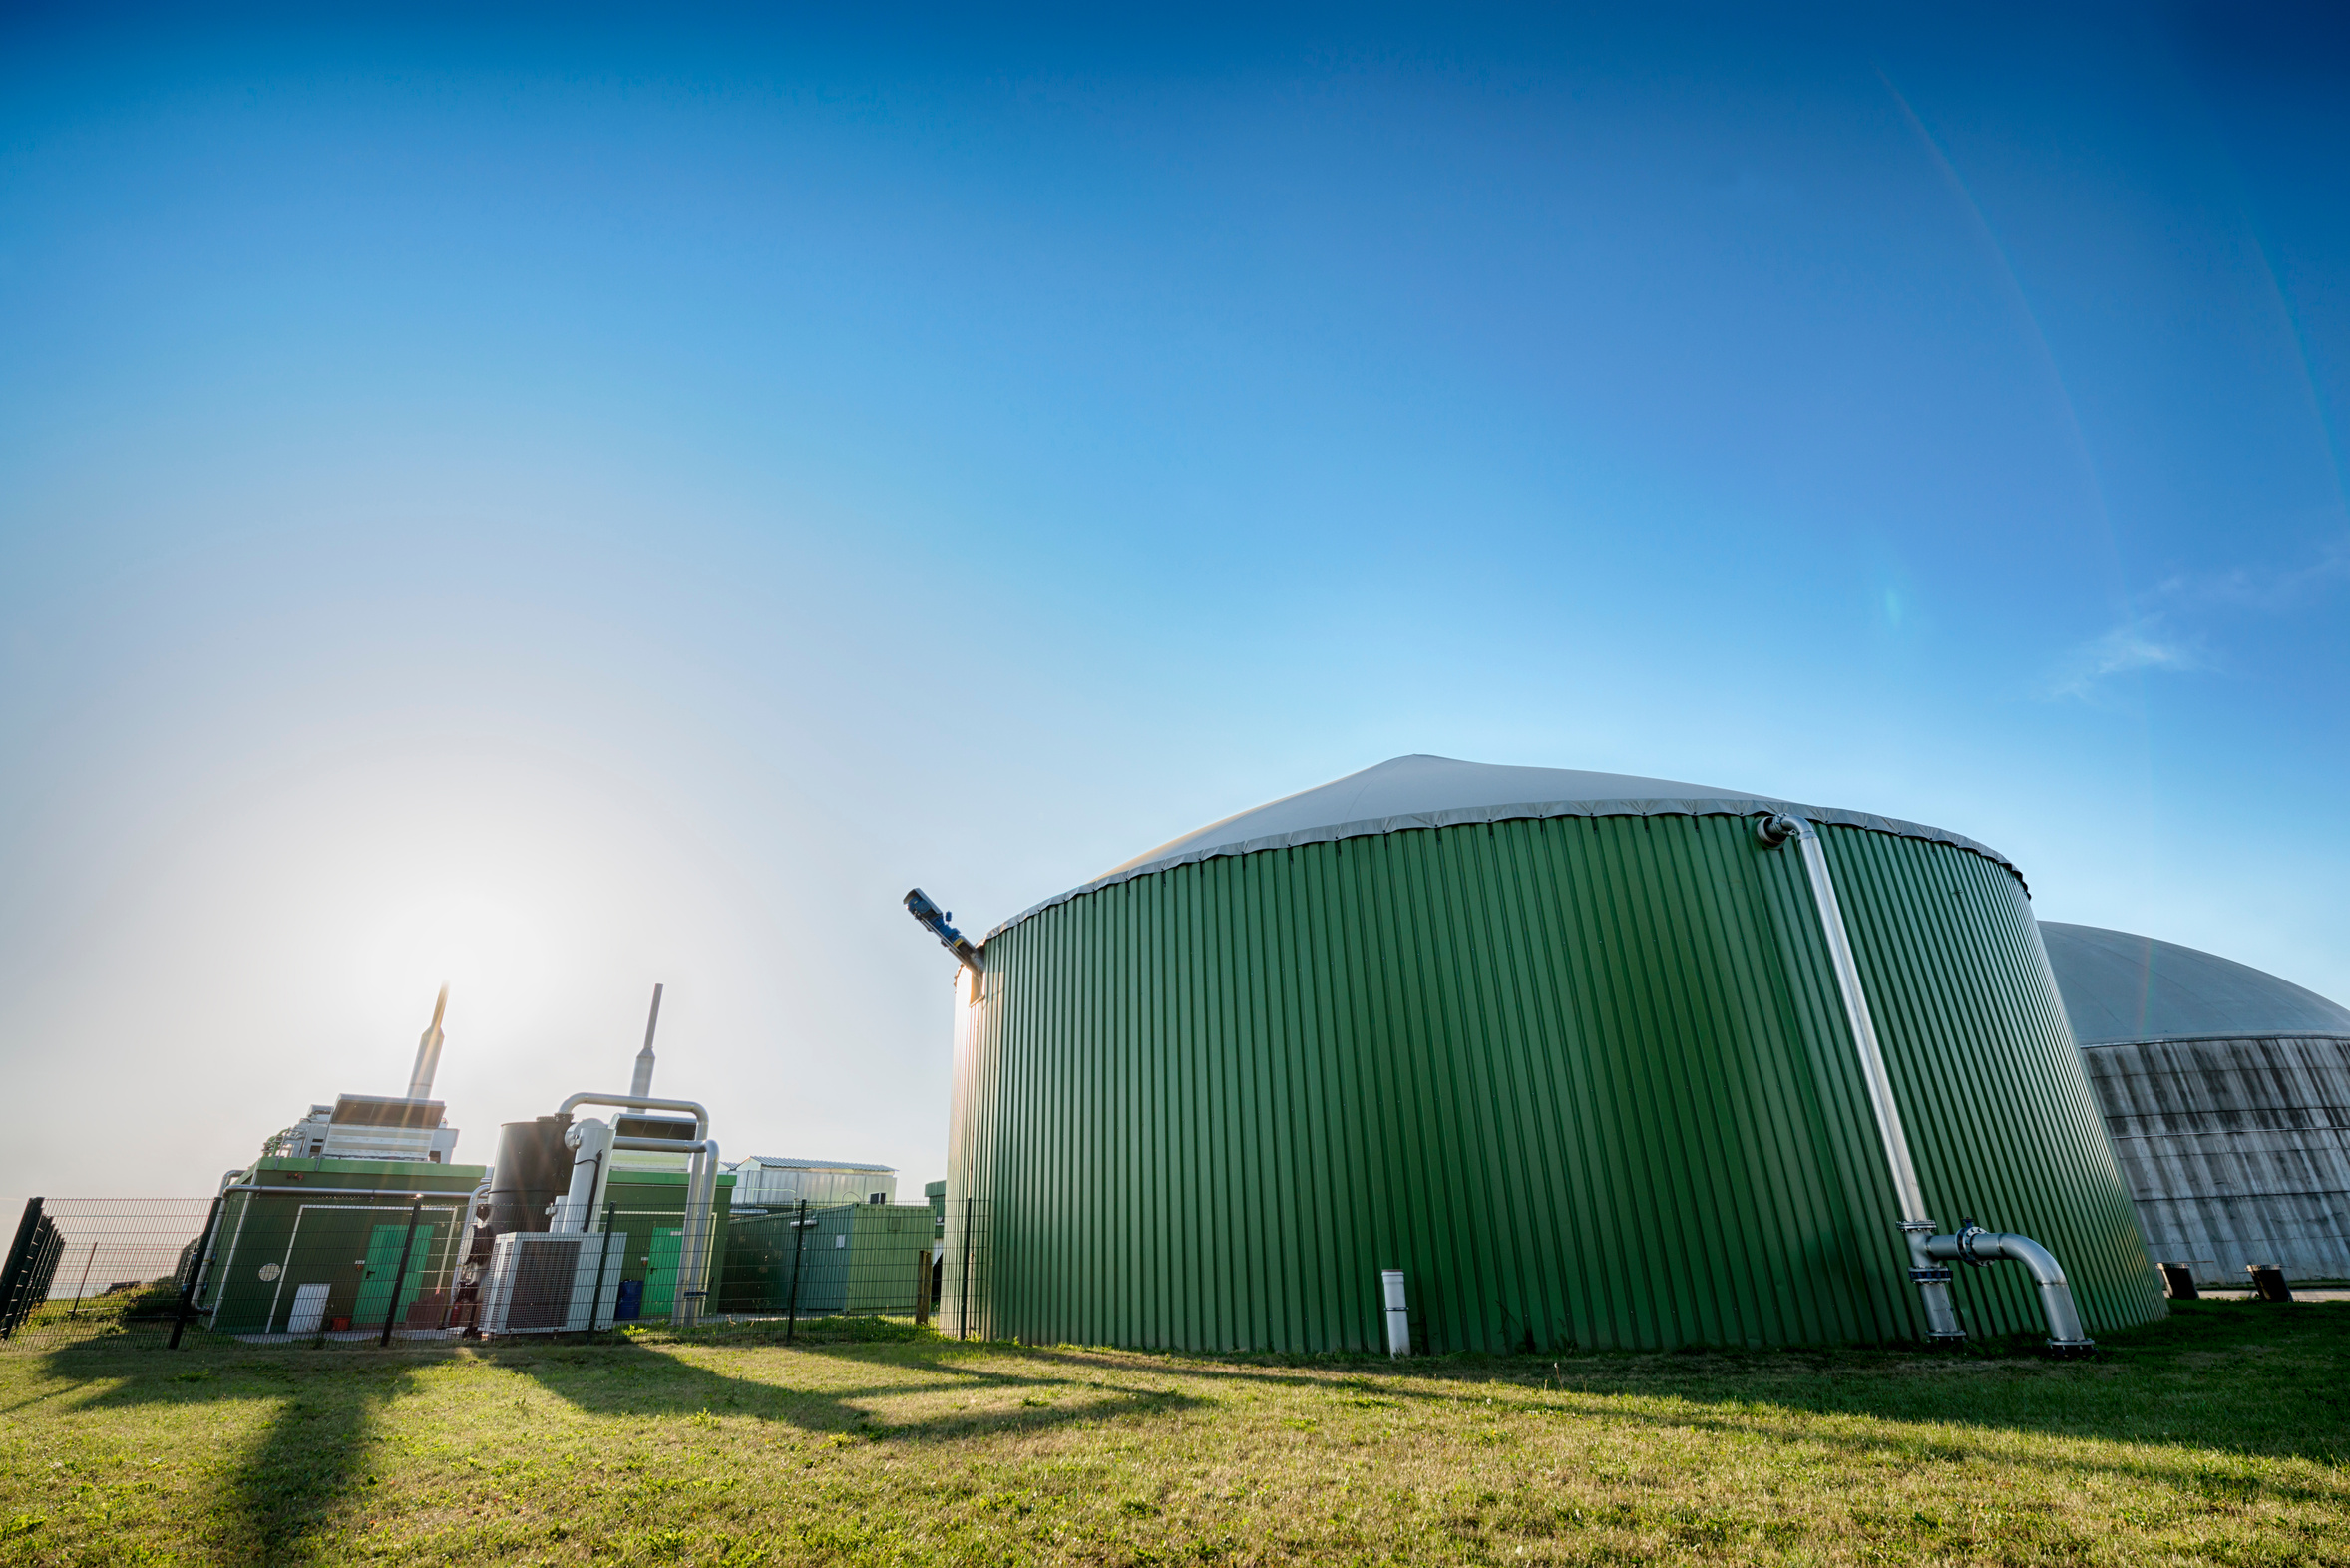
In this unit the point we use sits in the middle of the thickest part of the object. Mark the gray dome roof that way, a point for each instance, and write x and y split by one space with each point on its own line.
1436 792
2122 988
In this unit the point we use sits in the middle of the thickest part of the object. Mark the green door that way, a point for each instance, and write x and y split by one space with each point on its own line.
660 1274
383 1257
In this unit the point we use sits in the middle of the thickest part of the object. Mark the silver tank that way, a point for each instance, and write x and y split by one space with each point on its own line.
2226 1093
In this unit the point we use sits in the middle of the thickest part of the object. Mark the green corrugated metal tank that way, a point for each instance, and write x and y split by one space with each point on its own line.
1567 1048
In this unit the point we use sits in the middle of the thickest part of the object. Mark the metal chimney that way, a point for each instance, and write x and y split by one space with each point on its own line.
427 1053
642 1085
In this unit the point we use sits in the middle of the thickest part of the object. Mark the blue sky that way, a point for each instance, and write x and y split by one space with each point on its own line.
580 499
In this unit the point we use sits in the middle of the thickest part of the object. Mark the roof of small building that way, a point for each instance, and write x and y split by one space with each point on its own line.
2121 987
1423 791
785 1162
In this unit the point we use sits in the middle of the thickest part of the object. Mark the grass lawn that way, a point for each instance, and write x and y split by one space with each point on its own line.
2221 1436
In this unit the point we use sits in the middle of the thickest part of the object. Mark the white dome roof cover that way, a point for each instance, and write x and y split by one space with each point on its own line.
2120 987
1436 792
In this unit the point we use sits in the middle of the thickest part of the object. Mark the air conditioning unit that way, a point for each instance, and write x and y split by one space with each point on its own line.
545 1282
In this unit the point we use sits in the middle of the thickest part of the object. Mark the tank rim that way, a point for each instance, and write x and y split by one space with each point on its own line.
1374 827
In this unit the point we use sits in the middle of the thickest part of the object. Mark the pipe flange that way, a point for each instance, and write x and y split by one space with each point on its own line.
1966 1248
2072 1347
1777 829
1931 1277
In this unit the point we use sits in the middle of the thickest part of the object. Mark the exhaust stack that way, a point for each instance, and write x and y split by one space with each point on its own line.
427 1053
642 1084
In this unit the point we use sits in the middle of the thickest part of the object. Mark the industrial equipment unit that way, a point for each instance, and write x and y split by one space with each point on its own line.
353 1215
1583 1058
627 1178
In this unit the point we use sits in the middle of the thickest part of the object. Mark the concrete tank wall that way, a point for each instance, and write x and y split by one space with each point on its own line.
2235 1151
2227 1093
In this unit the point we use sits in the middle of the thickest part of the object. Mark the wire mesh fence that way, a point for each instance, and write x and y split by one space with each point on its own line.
850 1260
91 1268
289 1264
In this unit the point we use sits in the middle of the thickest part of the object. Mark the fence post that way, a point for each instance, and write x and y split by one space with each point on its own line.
922 1287
604 1253
83 1288
197 1266
20 1259
391 1311
791 1327
963 1309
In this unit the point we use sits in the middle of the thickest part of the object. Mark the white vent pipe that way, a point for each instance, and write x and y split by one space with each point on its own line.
590 1143
1929 1253
427 1053
1398 1312
642 1084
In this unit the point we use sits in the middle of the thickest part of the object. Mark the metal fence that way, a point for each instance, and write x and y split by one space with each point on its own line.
854 1260
288 1265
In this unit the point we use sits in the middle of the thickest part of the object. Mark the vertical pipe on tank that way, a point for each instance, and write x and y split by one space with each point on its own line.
1931 1278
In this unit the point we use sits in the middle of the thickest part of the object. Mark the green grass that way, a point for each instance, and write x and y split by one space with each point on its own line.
2221 1436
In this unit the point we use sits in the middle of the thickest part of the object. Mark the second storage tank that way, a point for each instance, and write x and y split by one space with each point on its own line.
2226 1091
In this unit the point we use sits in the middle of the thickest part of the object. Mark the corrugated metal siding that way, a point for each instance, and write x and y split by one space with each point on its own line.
2002 1122
1585 1079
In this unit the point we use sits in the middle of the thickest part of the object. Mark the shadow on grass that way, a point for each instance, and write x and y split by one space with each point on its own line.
2243 1379
649 1377
2215 1382
293 1480
298 1479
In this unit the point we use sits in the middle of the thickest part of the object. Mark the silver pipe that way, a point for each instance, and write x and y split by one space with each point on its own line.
702 1186
1397 1312
1981 1248
702 1118
591 1141
1890 1131
700 1233
1932 1281
701 1196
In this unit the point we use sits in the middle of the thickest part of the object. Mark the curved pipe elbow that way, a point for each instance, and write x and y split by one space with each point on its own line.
1981 1248
638 1102
2037 1259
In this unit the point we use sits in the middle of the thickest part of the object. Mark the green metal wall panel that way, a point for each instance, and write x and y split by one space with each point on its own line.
1587 1081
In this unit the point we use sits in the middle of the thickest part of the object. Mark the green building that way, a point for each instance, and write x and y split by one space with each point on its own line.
1592 1059
315 1245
